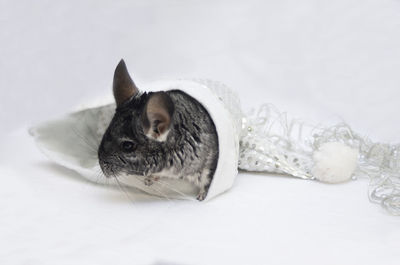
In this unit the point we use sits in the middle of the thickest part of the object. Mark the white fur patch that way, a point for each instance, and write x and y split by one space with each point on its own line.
334 162
199 179
160 138
166 173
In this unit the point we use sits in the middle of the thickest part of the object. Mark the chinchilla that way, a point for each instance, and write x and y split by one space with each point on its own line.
165 134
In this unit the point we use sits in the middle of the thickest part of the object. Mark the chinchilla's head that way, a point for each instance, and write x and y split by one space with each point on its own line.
136 139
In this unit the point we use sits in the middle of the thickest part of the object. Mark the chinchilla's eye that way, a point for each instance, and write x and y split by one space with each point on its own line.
127 146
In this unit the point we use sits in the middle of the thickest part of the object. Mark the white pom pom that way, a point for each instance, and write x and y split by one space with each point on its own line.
334 162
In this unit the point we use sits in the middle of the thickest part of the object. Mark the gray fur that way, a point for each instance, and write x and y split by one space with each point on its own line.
189 152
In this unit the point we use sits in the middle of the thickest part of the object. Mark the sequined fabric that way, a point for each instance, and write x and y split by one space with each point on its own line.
271 142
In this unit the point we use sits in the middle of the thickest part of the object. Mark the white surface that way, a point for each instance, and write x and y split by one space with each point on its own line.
319 60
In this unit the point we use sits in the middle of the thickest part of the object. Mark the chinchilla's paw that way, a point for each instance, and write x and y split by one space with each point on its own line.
148 181
201 196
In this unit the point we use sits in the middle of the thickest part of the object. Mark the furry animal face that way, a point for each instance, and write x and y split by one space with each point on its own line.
161 134
124 147
133 143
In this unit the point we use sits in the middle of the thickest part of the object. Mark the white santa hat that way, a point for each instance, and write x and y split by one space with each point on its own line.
70 141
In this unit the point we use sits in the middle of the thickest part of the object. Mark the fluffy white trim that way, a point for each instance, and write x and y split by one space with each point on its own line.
334 162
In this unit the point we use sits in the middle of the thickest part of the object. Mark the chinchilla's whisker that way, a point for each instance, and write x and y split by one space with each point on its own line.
87 144
160 193
164 185
92 133
123 190
169 186
106 181
100 175
85 140
97 175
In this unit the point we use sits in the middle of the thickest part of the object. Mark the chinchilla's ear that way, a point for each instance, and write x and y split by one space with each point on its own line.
123 86
157 115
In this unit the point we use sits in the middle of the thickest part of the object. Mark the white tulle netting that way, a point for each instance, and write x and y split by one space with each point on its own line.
271 142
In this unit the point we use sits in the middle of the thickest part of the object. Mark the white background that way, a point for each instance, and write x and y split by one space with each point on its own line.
323 61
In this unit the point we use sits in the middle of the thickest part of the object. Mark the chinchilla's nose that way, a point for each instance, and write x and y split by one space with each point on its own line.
106 168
